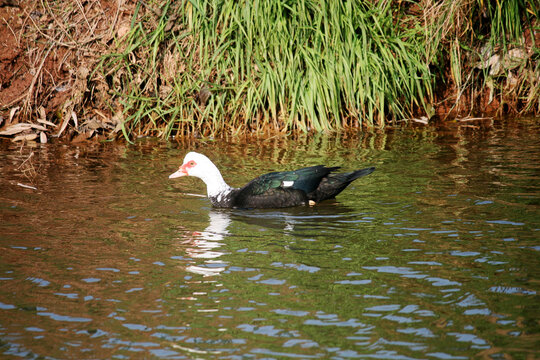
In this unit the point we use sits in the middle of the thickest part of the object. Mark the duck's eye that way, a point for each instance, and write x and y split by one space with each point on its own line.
192 163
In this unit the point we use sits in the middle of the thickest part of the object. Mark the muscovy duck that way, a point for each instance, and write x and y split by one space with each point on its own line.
304 186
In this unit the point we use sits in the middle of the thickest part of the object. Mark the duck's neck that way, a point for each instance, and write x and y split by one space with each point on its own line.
215 185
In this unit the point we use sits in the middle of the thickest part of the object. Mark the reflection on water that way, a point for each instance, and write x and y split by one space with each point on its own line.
204 245
435 255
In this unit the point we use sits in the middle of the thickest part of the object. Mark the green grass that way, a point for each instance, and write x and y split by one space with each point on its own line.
279 65
221 66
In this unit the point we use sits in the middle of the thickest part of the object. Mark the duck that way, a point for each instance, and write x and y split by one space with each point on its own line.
281 189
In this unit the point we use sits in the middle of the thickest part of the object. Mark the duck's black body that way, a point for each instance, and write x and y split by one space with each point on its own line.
292 188
273 190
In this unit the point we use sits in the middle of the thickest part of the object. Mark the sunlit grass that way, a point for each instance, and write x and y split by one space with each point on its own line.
212 66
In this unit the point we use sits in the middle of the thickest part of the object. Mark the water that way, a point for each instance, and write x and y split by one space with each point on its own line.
433 256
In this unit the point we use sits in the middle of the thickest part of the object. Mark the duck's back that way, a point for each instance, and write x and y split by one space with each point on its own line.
281 189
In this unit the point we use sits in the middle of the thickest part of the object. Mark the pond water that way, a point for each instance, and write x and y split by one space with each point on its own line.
436 255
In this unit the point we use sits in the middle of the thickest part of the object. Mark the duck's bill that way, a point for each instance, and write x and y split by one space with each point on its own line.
179 173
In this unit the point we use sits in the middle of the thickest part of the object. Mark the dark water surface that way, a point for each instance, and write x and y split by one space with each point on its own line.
436 255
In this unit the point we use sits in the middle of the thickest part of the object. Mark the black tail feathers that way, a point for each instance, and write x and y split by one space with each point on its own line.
359 173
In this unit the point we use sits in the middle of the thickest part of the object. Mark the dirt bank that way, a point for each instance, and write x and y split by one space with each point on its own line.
47 53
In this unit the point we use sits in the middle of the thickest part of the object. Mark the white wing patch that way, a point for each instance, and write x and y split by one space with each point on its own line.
287 183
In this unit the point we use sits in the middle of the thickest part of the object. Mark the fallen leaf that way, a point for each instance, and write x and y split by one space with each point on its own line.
12 112
42 114
45 122
42 137
38 127
15 129
75 120
26 137
64 126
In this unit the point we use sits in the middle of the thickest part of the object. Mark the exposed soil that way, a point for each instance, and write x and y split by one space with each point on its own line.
15 77
47 52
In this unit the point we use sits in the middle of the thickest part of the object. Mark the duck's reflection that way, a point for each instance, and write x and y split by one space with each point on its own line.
294 219
206 243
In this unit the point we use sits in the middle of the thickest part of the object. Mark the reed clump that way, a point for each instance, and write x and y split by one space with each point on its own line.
207 67
213 66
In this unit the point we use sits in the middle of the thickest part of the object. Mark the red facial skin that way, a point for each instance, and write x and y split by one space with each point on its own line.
185 167
183 170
